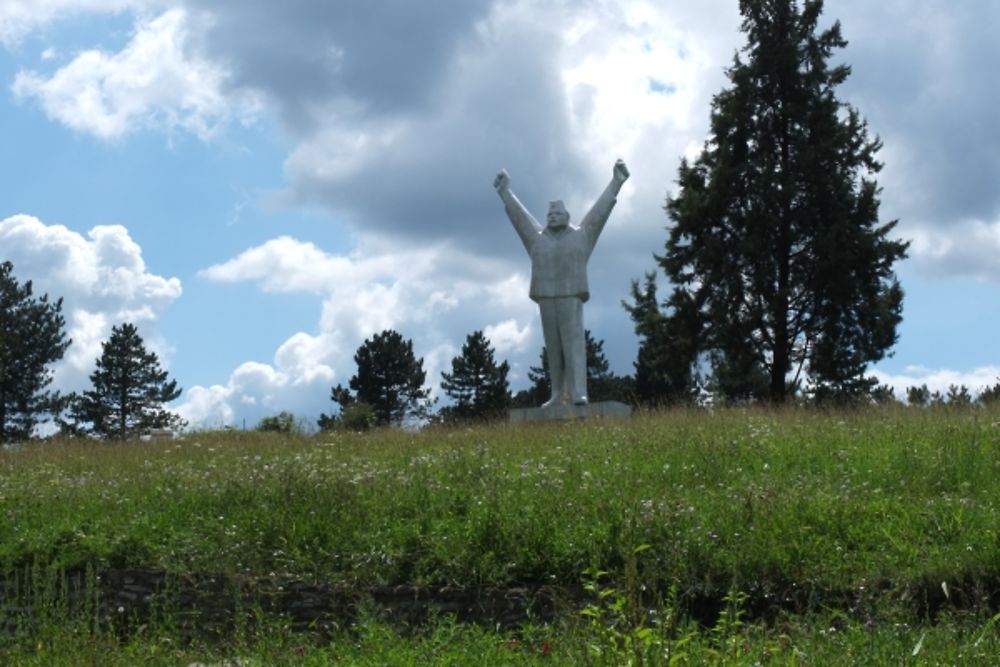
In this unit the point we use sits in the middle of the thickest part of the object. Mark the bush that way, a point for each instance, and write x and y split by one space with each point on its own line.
283 422
356 416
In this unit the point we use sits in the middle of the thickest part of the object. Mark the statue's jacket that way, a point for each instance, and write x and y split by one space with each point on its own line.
559 257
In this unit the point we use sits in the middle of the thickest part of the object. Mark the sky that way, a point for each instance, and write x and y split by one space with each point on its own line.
260 186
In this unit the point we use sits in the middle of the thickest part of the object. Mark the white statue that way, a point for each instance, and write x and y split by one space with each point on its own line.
559 253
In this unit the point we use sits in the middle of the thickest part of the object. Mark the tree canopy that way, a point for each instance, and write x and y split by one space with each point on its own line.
32 337
668 346
781 270
129 390
389 379
477 383
283 422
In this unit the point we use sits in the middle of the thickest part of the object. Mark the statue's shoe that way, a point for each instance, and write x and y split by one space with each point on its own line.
580 400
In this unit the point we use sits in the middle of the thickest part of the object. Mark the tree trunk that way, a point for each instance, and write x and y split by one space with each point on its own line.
780 362
122 416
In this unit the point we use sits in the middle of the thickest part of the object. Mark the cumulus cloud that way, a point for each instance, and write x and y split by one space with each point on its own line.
310 57
507 336
368 290
283 264
256 390
102 279
551 92
426 293
427 175
153 82
207 407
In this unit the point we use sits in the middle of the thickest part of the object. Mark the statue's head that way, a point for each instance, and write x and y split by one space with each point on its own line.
557 217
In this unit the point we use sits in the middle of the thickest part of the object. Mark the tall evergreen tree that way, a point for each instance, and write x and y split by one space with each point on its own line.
477 383
129 390
665 365
776 237
390 379
31 338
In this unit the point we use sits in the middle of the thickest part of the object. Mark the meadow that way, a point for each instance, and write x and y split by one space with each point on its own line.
681 537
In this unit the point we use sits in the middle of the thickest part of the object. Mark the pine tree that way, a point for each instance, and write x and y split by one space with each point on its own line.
918 396
477 384
665 365
31 338
958 396
990 395
884 394
540 389
776 237
129 390
389 379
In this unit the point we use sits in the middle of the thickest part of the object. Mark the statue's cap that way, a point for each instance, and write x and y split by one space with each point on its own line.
557 205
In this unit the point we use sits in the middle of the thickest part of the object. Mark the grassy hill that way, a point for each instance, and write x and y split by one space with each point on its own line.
776 524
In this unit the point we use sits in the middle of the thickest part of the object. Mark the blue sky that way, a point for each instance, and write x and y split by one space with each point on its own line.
260 186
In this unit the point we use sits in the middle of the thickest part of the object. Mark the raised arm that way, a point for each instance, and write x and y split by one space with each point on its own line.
593 223
525 225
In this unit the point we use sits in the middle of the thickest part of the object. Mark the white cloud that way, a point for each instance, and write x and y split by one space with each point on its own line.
302 356
939 379
507 336
633 78
427 294
551 91
284 264
966 249
257 383
102 278
256 390
369 290
154 81
207 407
19 17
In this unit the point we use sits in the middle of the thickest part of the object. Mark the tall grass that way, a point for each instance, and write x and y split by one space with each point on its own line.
734 497
858 519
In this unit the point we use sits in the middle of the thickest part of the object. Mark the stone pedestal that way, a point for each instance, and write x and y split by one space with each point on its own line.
601 409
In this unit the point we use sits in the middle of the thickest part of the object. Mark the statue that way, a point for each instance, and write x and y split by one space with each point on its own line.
559 253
